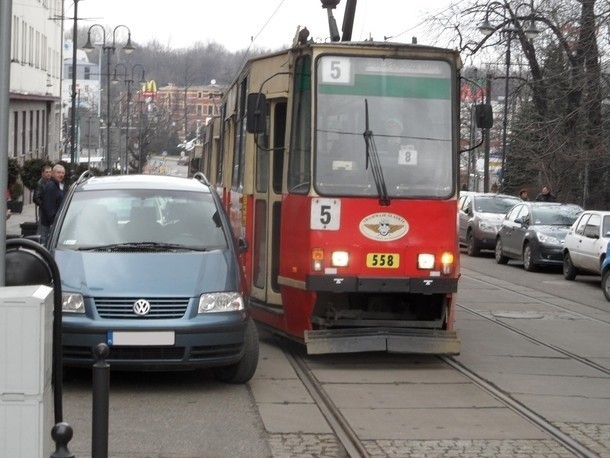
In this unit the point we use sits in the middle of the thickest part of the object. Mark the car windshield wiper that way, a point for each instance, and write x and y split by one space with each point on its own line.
144 246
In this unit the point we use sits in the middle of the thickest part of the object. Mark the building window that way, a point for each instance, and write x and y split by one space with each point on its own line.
87 73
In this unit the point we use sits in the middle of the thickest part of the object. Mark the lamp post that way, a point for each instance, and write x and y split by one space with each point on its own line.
108 49
73 94
129 82
510 28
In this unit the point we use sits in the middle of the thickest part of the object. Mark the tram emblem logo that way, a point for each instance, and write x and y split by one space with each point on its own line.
384 227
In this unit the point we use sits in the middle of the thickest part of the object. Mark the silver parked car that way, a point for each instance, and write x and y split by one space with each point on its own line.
481 215
584 248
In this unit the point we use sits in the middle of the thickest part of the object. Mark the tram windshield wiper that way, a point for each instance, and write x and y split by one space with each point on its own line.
373 155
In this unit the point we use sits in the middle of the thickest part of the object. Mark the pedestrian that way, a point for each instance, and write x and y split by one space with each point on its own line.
523 194
45 176
545 195
494 188
52 196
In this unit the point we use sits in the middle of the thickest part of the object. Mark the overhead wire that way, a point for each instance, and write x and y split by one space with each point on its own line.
254 37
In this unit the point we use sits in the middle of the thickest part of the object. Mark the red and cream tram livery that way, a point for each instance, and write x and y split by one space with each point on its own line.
338 164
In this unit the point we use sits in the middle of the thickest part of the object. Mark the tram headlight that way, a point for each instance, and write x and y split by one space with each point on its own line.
425 261
339 259
220 302
447 263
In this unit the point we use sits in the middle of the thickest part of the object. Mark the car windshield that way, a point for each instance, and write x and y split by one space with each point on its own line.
495 204
556 215
127 216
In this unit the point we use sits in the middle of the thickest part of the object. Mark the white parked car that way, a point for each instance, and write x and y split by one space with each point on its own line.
584 248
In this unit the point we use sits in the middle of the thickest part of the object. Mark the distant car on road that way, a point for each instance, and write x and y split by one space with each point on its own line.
606 274
481 216
585 244
533 232
149 266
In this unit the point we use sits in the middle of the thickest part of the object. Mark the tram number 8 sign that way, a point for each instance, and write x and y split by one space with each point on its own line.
383 260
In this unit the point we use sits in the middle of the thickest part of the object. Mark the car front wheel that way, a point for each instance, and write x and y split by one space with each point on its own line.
606 284
244 370
500 258
472 247
528 263
569 271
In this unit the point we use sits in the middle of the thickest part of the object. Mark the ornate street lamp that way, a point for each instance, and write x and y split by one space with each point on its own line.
509 27
128 81
108 49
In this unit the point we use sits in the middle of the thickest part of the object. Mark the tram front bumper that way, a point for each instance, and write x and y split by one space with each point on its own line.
390 340
337 284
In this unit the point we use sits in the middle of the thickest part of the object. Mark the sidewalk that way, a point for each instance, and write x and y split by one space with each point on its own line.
28 215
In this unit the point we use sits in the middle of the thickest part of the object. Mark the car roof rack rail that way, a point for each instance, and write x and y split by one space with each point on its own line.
84 176
201 177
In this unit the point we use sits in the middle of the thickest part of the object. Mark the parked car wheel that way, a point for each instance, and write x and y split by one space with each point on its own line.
528 262
472 247
606 284
569 271
245 368
500 258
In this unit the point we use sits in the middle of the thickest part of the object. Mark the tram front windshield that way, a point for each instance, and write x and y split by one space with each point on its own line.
406 105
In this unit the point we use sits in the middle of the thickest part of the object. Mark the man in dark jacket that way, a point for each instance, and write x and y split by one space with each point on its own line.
545 195
44 179
52 196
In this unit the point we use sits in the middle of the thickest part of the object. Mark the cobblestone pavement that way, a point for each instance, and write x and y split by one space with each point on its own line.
595 437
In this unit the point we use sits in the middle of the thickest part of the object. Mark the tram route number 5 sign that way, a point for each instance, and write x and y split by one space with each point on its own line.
325 214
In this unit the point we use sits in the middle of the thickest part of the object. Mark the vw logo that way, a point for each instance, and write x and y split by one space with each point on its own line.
141 307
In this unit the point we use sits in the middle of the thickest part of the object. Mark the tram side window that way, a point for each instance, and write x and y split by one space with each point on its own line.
262 158
299 178
220 159
240 139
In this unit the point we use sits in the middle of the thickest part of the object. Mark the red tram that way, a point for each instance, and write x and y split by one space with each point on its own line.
338 164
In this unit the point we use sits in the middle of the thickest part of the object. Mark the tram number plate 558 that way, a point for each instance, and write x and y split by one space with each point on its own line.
383 260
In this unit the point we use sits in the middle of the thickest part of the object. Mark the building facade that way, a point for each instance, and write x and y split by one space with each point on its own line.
189 107
35 80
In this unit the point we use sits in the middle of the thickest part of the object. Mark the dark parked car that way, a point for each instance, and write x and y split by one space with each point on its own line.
533 232
149 266
481 216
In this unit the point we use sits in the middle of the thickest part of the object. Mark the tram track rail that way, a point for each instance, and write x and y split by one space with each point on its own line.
346 436
566 440
541 300
533 339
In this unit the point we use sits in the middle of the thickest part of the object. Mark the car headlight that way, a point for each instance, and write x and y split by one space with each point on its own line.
220 302
548 239
487 226
72 303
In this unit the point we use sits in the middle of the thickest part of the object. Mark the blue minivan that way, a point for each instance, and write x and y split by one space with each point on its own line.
149 266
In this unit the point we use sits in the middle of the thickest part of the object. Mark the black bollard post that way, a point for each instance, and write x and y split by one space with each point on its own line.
101 394
62 434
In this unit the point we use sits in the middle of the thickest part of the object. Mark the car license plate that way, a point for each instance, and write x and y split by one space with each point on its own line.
383 260
141 338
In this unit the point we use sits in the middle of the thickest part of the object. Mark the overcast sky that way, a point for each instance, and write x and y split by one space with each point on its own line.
271 23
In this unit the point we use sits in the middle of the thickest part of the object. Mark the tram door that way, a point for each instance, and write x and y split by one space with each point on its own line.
267 208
